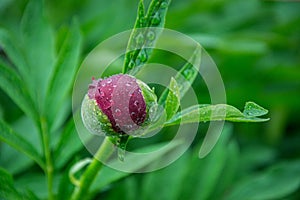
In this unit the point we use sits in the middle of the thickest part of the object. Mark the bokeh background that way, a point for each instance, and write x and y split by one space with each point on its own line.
256 46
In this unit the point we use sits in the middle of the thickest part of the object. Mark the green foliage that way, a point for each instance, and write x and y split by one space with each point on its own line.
7 190
173 99
188 177
143 37
16 141
257 53
186 75
284 178
39 83
10 82
201 178
205 113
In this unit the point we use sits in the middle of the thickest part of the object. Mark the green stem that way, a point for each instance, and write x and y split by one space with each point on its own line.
49 163
88 177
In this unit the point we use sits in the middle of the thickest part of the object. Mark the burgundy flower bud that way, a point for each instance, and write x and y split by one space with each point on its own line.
120 104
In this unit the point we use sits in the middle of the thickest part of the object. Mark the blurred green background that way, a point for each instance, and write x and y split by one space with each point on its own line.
255 44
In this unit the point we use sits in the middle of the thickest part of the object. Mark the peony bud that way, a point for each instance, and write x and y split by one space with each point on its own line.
118 105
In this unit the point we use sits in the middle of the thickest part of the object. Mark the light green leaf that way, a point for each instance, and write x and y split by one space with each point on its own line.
204 113
64 72
173 99
38 46
7 189
186 76
143 36
10 137
13 86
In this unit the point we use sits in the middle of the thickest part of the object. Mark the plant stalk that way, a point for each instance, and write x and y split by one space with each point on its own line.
49 163
88 177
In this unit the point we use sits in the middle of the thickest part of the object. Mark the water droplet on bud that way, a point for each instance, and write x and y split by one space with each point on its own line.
109 80
101 93
135 103
118 112
143 55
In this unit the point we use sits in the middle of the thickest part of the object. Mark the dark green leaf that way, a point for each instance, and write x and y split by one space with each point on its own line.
108 175
171 176
11 159
173 99
65 187
128 189
186 76
64 72
143 37
69 143
30 195
275 183
204 174
229 171
7 189
14 87
9 44
204 113
10 137
36 183
208 172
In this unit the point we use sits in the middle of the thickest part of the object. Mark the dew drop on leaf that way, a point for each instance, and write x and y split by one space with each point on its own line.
139 39
152 112
151 35
164 5
188 73
121 154
143 55
142 21
156 19
131 64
